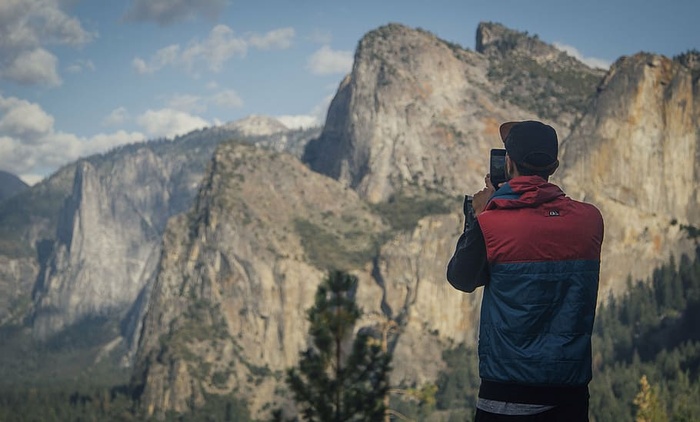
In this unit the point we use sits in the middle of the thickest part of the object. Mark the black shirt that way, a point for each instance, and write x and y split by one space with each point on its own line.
468 268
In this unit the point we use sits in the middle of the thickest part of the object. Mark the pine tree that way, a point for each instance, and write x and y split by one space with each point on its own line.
339 378
649 407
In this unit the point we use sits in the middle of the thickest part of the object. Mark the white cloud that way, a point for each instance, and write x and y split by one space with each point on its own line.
105 141
590 61
220 46
169 123
275 39
163 57
166 12
31 67
228 98
24 120
196 104
81 65
319 36
316 117
299 121
326 61
26 27
31 148
117 117
187 103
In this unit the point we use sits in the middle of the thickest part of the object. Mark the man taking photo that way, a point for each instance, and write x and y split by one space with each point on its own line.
536 252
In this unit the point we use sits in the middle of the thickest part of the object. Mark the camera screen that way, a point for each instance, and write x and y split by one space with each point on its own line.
498 166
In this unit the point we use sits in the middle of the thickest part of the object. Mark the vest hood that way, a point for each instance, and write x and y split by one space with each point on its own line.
524 191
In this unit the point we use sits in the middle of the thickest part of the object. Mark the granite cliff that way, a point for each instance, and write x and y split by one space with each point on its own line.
636 155
413 110
417 111
81 246
209 256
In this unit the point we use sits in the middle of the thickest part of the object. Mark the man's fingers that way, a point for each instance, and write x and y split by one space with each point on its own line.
487 179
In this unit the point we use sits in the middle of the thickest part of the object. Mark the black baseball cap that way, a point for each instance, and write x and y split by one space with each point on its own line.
531 144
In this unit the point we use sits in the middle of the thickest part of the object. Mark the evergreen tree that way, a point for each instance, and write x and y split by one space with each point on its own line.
649 407
339 379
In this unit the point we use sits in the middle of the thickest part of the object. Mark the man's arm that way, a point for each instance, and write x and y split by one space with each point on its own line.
468 268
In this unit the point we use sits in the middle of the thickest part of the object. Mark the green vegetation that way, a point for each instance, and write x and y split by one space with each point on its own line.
333 383
546 90
328 245
348 241
402 211
646 355
77 403
217 408
690 59
19 212
67 359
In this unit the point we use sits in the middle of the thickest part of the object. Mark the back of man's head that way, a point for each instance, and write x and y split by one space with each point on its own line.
532 145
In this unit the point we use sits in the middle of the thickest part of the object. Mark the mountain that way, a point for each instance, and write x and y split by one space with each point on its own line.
636 155
237 275
417 116
10 185
257 126
200 256
80 247
535 75
421 112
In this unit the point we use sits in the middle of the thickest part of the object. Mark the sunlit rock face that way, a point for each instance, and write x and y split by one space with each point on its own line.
635 154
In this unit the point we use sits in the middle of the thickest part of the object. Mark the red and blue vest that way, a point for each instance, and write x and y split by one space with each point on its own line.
543 251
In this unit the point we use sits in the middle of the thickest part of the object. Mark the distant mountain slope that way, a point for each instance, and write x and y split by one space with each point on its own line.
10 185
140 186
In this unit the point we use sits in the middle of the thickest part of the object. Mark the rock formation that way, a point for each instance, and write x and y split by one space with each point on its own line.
217 303
636 155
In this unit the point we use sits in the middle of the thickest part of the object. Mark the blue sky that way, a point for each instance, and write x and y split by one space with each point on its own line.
78 77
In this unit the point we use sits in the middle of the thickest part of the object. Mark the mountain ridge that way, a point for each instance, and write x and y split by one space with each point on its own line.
249 230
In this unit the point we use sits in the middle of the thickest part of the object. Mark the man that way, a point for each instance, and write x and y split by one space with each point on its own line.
537 254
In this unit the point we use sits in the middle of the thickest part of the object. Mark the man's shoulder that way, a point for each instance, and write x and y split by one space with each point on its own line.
587 206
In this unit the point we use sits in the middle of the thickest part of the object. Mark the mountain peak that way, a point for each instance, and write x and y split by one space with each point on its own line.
10 185
256 125
497 41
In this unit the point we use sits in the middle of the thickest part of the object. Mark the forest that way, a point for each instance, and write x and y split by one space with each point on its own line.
646 367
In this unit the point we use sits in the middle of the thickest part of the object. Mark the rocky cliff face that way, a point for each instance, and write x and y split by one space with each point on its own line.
227 311
419 112
228 306
105 236
536 76
409 131
636 155
415 112
107 239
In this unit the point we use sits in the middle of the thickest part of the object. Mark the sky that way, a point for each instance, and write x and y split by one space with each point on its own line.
79 77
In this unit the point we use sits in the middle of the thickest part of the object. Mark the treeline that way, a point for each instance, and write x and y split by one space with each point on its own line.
652 332
647 336
646 364
85 404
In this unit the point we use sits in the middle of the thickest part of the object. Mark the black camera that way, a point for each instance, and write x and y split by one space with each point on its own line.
497 168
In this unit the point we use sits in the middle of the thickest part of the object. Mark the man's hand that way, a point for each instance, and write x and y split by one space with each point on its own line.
482 197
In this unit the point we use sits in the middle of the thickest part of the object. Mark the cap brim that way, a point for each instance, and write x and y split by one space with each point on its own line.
505 129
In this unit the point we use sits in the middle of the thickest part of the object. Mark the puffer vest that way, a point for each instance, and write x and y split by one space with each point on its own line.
537 313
